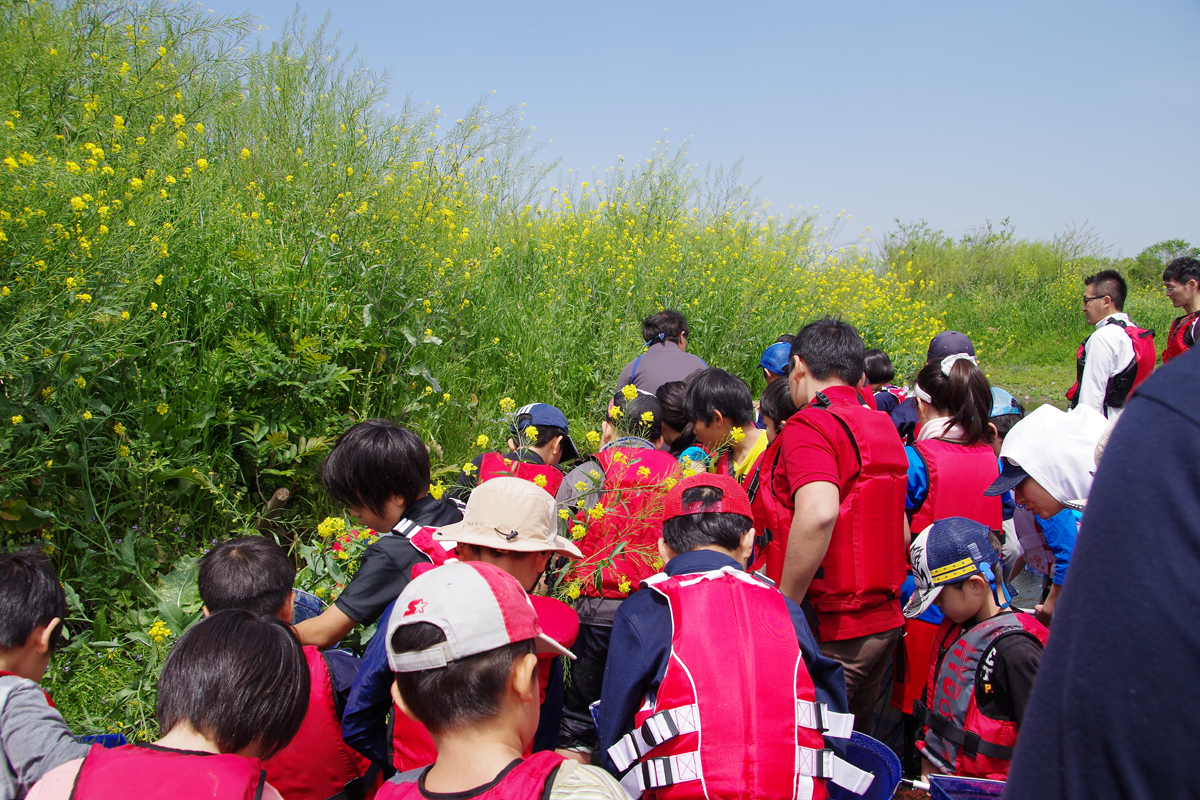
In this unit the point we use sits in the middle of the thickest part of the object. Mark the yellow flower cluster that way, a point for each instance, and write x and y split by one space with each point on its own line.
159 631
481 440
629 391
331 526
737 435
540 480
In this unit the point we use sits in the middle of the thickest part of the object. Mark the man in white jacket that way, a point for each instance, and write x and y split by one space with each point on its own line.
1107 365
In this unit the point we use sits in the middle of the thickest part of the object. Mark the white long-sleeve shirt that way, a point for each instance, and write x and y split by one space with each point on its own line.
1107 353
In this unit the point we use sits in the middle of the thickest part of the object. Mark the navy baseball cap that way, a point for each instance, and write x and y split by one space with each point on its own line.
776 357
949 343
949 551
536 414
1004 403
1012 474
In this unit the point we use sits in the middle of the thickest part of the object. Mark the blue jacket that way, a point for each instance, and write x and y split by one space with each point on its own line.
641 646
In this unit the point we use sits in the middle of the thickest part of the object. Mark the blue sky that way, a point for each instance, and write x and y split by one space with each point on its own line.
1051 113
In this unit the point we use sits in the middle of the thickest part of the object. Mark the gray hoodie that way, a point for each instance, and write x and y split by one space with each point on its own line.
33 735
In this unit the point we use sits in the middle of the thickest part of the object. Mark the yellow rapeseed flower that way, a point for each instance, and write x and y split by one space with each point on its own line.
564 514
507 405
123 451
17 419
593 438
80 382
629 391
87 415
531 431
737 435
647 416
202 164
481 440
616 412
245 153
162 409
119 429
330 526
540 480
596 511
158 281
125 315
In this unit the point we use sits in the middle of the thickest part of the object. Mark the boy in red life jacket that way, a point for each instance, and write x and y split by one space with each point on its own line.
462 644
255 574
380 472
34 739
233 690
721 410
840 486
509 523
777 408
985 655
541 431
748 709
1181 281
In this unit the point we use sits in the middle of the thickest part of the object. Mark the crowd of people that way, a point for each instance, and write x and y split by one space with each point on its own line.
712 604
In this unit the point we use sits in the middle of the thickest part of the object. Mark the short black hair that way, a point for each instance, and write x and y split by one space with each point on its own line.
668 326
878 367
776 403
671 396
831 347
1109 283
546 433
30 597
686 533
252 573
632 419
1182 270
466 691
1005 422
716 390
237 678
785 338
375 461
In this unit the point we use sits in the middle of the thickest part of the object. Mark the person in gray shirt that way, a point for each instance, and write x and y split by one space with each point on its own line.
666 358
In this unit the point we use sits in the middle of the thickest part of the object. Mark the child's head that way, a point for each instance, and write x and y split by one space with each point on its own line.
512 524
774 360
956 388
777 408
238 679
1006 412
826 352
252 573
32 607
707 512
462 643
675 422
377 470
552 441
716 403
878 368
956 566
633 412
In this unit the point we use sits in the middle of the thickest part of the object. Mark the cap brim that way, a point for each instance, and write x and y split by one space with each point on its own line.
486 536
547 645
920 601
569 451
1008 480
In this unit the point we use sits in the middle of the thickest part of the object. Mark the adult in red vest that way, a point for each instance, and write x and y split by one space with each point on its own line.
777 408
1181 281
841 476
233 690
540 443
255 574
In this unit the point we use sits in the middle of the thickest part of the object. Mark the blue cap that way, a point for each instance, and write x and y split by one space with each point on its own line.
536 414
1004 403
949 551
776 357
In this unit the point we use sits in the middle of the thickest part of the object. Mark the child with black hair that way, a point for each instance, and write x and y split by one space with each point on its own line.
253 573
880 374
777 408
541 443
721 410
677 431
745 710
33 736
380 472
464 656
233 690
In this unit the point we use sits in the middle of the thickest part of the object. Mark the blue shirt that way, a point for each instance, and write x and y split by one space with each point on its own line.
1060 532
640 648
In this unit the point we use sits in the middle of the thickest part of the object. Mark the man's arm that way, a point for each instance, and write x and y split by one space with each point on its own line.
625 681
326 630
816 513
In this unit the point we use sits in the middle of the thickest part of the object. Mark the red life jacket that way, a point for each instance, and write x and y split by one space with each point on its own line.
529 780
1182 336
867 397
421 537
864 566
317 764
736 715
897 392
495 465
958 475
1123 383
139 770
768 512
959 739
623 544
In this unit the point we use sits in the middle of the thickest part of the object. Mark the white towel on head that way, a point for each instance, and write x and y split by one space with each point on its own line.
1058 449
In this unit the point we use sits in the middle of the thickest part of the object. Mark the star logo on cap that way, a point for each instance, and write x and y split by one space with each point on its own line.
415 607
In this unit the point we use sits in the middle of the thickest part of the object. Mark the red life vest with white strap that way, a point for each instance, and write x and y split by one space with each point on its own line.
1182 336
958 475
528 780
959 739
736 714
495 465
421 537
864 566
1121 385
137 770
317 764
768 512
632 494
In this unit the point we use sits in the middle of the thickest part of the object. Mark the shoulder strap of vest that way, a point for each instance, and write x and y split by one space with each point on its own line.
549 787
633 372
821 401
912 512
262 783
756 477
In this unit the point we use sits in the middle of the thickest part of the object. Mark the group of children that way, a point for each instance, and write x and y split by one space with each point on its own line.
745 582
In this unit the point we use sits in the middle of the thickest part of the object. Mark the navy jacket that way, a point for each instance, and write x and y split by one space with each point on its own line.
641 646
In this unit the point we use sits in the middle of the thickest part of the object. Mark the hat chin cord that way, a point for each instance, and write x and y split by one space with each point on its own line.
1002 589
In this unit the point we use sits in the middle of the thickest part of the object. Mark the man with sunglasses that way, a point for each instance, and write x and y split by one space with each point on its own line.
1117 356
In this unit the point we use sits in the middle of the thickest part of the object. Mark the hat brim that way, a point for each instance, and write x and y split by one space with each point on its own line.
1008 480
547 645
920 601
569 451
488 536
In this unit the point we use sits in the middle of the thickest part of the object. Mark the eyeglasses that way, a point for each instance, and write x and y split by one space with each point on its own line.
1169 289
1087 299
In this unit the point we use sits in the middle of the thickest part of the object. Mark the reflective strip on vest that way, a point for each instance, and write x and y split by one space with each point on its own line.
826 764
656 773
654 731
819 717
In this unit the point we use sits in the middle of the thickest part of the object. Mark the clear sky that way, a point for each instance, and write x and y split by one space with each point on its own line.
1051 113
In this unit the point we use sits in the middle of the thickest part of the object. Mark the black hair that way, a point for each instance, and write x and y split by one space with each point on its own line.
237 678
830 347
716 390
251 573
463 692
878 367
670 396
546 434
785 338
665 326
1109 283
776 403
375 461
30 597
1005 422
1182 270
631 419
965 394
686 533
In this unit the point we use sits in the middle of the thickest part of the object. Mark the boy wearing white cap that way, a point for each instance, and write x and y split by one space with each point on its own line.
463 645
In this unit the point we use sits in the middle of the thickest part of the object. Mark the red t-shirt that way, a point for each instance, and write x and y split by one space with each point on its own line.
817 448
